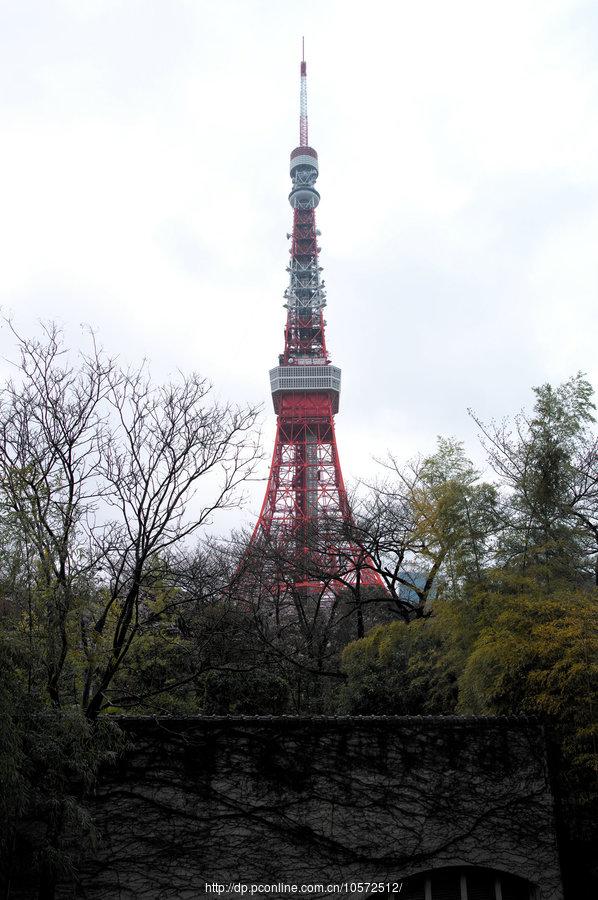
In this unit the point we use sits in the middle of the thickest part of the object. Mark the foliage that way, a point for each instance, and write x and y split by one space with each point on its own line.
255 692
398 669
538 655
49 761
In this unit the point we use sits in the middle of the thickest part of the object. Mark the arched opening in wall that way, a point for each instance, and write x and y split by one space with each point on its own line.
465 883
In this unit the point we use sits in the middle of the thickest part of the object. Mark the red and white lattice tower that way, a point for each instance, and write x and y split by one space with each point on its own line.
305 493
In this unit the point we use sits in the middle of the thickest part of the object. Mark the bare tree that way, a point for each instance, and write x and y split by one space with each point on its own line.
101 470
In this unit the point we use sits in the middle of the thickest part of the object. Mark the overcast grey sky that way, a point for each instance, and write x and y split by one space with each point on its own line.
144 181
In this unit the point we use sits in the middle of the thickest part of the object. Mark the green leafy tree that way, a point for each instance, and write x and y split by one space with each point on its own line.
398 669
433 519
549 465
538 654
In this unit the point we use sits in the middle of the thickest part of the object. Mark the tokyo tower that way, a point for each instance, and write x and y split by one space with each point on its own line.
306 507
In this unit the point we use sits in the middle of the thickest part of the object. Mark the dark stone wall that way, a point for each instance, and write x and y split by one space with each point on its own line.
306 800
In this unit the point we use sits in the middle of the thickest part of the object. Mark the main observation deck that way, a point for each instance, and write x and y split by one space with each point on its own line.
302 379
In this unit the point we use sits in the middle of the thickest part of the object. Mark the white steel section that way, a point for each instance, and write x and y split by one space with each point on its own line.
305 378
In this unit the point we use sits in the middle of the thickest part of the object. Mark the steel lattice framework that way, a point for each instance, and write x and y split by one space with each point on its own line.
306 506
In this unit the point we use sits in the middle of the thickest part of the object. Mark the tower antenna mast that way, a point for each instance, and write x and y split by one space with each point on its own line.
303 140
